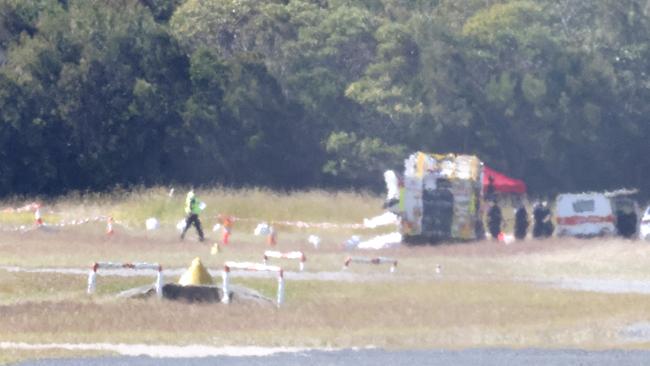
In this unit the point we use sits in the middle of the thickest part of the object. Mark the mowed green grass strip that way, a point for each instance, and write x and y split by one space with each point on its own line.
391 314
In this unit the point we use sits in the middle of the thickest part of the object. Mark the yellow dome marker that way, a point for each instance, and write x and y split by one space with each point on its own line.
215 249
196 275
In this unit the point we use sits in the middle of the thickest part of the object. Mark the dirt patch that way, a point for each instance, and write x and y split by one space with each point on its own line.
639 332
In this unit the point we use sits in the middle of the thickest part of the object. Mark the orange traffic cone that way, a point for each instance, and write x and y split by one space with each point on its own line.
271 238
225 236
226 226
109 226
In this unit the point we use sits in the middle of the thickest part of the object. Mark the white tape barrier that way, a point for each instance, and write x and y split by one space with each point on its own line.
28 207
249 266
92 276
376 260
39 223
288 255
180 226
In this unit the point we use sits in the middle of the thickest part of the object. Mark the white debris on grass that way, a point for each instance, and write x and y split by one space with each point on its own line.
152 223
314 240
180 226
387 218
262 229
352 243
382 241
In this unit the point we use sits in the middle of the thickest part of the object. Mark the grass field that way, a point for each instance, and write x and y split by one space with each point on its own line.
488 294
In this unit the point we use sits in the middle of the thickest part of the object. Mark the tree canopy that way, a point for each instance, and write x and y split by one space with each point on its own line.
320 93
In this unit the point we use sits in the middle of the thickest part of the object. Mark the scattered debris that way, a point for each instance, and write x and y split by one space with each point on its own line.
192 293
314 240
152 223
382 241
180 226
352 243
387 218
262 229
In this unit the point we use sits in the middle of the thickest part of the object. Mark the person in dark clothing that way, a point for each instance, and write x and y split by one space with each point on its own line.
192 209
521 222
494 220
490 192
548 223
542 225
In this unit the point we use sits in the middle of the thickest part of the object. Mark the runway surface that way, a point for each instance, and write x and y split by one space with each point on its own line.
371 357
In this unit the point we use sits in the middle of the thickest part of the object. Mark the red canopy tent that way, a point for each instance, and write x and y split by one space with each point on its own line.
502 183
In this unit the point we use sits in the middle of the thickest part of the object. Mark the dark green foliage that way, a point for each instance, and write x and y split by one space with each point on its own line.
303 93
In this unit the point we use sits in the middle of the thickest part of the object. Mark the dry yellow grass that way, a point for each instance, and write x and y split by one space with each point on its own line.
441 313
10 356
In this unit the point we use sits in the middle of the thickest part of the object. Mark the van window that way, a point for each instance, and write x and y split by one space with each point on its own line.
583 206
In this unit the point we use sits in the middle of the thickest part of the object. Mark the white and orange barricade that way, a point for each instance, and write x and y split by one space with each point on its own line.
92 276
28 207
249 266
375 260
287 255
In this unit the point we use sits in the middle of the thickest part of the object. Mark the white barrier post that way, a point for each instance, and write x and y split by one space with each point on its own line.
248 266
376 260
38 219
280 289
92 276
288 255
92 279
225 288
159 284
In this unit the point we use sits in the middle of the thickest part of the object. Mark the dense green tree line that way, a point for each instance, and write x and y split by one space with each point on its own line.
328 93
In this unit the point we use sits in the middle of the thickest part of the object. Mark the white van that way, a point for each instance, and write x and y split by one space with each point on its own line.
584 214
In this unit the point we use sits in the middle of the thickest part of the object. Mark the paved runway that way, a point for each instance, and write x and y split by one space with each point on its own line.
371 357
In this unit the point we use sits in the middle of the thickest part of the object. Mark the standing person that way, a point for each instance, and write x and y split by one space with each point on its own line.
192 209
542 225
521 222
548 223
490 191
494 220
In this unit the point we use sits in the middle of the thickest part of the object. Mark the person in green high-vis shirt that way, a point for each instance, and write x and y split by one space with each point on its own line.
192 209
